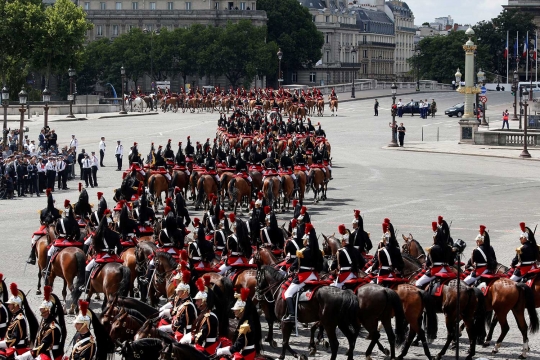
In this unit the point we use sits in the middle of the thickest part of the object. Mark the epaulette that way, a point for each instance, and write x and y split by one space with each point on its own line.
20 317
244 328
518 250
60 212
300 253
207 315
428 249
39 212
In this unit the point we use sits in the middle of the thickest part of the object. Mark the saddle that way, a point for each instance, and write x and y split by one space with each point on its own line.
306 293
237 269
393 282
256 168
270 172
531 276
179 168
355 284
486 280
62 243
436 286
100 259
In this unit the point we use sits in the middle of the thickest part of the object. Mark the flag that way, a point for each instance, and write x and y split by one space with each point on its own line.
516 49
506 49
535 48
526 45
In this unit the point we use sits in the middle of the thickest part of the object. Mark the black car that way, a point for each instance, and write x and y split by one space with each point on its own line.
458 110
414 108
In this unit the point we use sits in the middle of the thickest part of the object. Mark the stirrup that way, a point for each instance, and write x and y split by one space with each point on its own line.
289 318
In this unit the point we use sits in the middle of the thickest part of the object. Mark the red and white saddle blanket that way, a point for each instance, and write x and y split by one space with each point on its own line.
103 257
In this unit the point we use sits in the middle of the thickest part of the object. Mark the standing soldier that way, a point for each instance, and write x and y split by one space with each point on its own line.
86 346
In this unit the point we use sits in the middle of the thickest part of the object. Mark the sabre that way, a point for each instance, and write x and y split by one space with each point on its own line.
534 232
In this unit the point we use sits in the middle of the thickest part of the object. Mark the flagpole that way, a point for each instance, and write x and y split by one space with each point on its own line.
536 55
507 56
526 46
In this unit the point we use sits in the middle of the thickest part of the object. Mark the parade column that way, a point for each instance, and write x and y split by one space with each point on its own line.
468 123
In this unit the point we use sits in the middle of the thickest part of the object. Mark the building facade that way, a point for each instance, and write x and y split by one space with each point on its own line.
405 31
528 6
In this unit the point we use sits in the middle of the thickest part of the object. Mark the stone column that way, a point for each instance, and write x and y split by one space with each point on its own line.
468 124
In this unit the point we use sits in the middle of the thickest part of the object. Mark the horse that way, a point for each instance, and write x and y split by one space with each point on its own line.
224 179
334 106
264 256
180 179
112 279
331 306
41 249
318 184
301 178
270 190
238 190
287 189
124 326
157 184
331 245
413 248
147 349
130 261
320 107
176 351
161 280
137 103
206 185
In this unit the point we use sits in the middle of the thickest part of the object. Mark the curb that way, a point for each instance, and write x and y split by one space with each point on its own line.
390 95
126 115
456 153
70 119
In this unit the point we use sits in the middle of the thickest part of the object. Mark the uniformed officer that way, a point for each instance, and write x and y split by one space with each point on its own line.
83 209
445 230
483 257
359 237
238 245
129 229
400 108
348 260
86 346
526 254
389 258
439 256
145 214
47 216
293 245
271 235
96 216
4 312
201 251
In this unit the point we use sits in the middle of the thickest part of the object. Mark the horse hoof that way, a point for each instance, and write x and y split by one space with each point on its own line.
326 345
303 357
38 292
486 344
312 351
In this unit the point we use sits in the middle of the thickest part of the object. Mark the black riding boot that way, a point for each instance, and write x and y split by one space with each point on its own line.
84 288
85 248
291 310
295 180
32 258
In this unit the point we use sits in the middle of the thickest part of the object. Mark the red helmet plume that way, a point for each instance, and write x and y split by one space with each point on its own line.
183 264
186 275
267 210
244 293
384 227
434 225
252 204
440 219
342 229
167 210
295 202
196 222
482 229
66 203
308 228
386 220
83 307
260 195
356 214
48 192
522 226
47 290
221 214
14 289
303 210
232 217
294 223
183 255
200 284
206 280
99 195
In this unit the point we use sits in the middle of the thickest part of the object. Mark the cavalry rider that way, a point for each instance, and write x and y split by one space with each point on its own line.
242 170
182 214
170 239
136 157
168 154
4 312
47 217
238 245
439 256
526 254
51 335
293 245
286 164
220 238
82 208
333 95
210 167
309 262
107 246
87 346
96 216
205 332
144 214
248 342
201 251
445 230
300 160
389 258
483 257
189 149
129 229
271 235
257 216
22 319
320 132
348 260
359 237
180 159
131 185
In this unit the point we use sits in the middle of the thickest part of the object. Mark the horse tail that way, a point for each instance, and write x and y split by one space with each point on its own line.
480 314
81 265
232 190
348 310
431 315
228 290
397 306
174 180
151 185
200 190
222 310
125 283
270 192
531 308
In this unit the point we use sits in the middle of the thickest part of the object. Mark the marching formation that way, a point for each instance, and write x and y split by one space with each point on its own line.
185 276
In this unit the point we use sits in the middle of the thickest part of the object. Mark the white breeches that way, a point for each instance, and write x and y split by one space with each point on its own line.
166 328
188 173
294 288
3 345
168 176
151 263
293 176
471 280
51 251
216 177
516 278
424 280
223 269
35 238
340 284
329 167
88 241
92 263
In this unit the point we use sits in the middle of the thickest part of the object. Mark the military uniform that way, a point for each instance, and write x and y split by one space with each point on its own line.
84 348
526 254
184 317
482 259
17 336
48 341
439 257
206 333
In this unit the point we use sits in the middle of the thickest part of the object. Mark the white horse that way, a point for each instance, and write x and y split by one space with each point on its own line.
137 103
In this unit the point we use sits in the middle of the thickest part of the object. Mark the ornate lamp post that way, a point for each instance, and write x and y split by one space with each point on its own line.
280 78
481 76
525 153
394 143
123 73
23 96
468 124
353 52
152 32
5 104
46 100
71 73
515 90
458 79
417 50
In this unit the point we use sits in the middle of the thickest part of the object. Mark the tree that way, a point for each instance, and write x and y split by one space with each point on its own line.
94 64
131 50
291 27
425 24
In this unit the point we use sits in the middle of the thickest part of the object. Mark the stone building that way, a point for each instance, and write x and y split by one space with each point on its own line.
529 6
405 31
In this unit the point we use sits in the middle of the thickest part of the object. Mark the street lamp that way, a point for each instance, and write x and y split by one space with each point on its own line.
280 78
152 32
525 153
394 143
515 89
417 68
353 53
458 79
481 76
46 100
5 104
123 73
71 73
23 96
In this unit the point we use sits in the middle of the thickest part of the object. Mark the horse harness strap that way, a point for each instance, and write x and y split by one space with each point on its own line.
196 246
265 231
387 256
348 258
483 254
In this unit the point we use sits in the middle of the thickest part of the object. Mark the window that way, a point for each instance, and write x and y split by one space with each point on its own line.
99 30
150 28
216 6
86 6
328 56
115 30
364 39
364 68
252 6
102 6
152 6
312 77
327 38
327 18
131 27
365 54
294 77
231 5
118 6
242 6
188 5
365 27
170 5
134 5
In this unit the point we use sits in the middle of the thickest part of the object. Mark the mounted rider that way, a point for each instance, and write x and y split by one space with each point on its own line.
286 164
445 230
294 244
388 258
82 208
526 255
359 237
348 260
129 229
483 258
271 235
201 251
238 245
96 216
308 263
242 170
439 256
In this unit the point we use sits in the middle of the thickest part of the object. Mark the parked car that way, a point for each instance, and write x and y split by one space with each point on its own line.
414 108
458 110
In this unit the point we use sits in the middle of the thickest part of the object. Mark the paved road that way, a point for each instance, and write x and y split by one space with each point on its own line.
410 188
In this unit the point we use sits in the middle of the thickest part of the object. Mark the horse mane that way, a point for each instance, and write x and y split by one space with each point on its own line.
143 343
422 252
172 263
192 353
411 259
273 273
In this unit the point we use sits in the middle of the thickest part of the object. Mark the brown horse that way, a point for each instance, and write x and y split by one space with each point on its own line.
287 189
181 180
318 183
112 279
162 278
334 106
302 181
239 189
331 245
264 256
301 112
125 326
224 179
41 253
270 190
320 107
130 261
256 178
331 306
157 184
413 248
206 186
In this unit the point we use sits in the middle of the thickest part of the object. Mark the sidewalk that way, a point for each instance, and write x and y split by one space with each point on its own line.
384 93
452 147
78 117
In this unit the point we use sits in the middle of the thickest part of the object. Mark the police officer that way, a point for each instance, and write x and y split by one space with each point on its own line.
483 257
348 260
526 254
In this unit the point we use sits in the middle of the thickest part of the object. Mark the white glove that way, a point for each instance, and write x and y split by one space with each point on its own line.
223 351
3 345
186 339
166 306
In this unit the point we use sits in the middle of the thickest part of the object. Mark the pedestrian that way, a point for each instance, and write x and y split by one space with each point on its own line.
401 134
42 176
426 109
50 171
87 170
53 138
433 108
376 107
119 154
412 107
80 159
33 177
9 187
41 138
102 147
399 108
74 145
95 167
505 119
61 171
21 174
